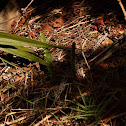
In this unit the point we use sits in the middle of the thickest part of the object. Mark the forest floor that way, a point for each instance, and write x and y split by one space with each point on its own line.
94 93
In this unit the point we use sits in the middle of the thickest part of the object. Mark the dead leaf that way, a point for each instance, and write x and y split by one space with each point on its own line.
47 27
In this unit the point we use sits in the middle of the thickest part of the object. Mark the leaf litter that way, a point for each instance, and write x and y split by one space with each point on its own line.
31 95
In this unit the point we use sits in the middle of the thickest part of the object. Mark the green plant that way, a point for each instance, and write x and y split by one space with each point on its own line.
16 45
84 110
88 111
47 55
31 102
61 123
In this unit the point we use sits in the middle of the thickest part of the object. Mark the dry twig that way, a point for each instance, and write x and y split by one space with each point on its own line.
24 9
122 7
59 109
108 51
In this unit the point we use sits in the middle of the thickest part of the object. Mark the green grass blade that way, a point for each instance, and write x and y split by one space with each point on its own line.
80 105
13 64
83 106
13 40
102 109
11 85
24 49
81 116
82 110
78 110
47 54
24 54
82 97
58 119
29 101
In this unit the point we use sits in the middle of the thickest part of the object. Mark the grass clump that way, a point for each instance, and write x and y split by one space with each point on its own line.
88 111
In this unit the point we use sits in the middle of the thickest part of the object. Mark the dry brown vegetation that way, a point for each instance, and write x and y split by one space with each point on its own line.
30 96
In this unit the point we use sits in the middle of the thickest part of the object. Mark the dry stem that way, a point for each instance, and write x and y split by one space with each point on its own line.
122 7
